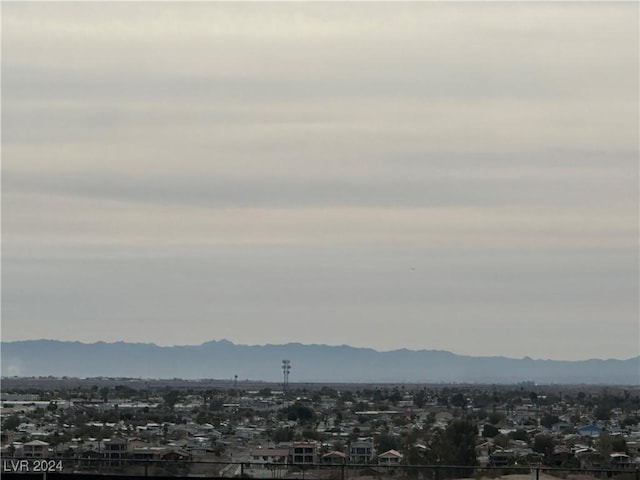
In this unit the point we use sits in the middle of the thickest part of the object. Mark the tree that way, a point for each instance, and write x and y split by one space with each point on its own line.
395 396
328 392
543 444
400 421
218 449
420 398
604 444
547 420
501 440
124 391
312 434
602 412
202 417
457 444
519 435
439 452
282 435
454 446
482 400
385 442
216 404
104 393
378 396
347 396
461 436
300 413
495 418
489 431
414 456
12 422
171 398
458 400
605 404
619 444
481 414
338 420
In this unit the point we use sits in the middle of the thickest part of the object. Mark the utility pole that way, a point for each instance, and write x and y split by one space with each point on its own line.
286 368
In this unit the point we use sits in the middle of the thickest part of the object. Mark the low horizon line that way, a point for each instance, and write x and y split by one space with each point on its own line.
224 340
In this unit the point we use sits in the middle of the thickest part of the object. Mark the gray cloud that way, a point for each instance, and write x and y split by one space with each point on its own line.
435 299
318 172
563 179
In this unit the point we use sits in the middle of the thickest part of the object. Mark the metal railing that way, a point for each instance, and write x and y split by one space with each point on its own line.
139 468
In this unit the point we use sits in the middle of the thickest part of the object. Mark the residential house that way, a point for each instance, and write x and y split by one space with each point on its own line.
361 450
147 452
334 458
620 461
90 458
115 450
267 456
501 458
562 456
176 455
390 457
589 431
589 459
304 452
35 449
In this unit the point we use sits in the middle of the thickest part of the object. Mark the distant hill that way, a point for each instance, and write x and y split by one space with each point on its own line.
310 363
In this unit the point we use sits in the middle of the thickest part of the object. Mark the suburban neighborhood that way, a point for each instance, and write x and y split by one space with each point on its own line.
315 430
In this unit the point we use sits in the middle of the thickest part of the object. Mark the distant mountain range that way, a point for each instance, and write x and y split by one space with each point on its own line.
310 363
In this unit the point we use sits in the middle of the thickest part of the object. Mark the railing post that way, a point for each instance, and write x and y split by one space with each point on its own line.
537 473
342 472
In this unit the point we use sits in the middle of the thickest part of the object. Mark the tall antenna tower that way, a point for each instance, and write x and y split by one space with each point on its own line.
286 368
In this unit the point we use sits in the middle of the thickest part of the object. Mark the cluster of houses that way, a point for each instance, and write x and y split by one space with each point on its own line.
359 451
252 429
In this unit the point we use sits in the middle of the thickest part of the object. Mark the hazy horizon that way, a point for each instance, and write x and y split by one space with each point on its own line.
422 175
364 347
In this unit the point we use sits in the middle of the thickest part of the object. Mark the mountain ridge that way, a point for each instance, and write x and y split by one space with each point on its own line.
310 362
224 341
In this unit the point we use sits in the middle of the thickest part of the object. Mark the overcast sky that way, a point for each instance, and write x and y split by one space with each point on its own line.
457 176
